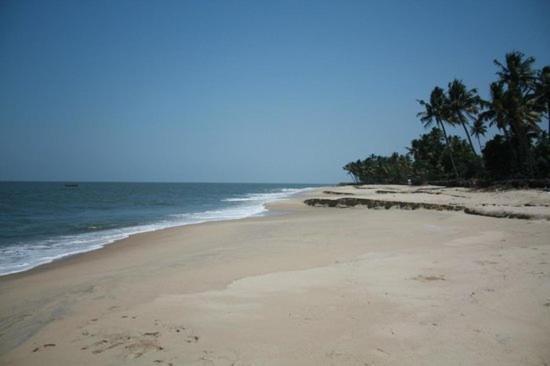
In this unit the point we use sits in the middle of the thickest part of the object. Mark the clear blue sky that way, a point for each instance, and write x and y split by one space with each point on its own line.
235 91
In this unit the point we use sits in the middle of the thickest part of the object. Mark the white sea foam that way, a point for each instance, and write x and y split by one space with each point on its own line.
265 197
24 256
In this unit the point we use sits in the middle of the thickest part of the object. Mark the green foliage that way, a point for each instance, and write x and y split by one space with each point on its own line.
432 157
428 159
463 105
498 157
515 108
519 100
393 169
437 110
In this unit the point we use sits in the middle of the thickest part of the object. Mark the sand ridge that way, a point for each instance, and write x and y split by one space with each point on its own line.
500 203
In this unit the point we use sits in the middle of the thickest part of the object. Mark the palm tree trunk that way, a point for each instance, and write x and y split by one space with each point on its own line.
524 154
526 151
469 138
513 149
450 149
479 143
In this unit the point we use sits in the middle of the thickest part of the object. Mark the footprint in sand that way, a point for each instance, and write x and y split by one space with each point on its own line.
133 346
192 339
136 345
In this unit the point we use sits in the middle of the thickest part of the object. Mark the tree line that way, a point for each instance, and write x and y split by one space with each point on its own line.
518 104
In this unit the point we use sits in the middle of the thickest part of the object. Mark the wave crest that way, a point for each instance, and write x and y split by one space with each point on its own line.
24 256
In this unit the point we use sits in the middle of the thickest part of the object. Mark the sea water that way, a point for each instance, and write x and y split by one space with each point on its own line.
41 222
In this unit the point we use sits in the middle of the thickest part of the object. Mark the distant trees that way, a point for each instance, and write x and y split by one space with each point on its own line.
428 158
393 169
431 157
518 102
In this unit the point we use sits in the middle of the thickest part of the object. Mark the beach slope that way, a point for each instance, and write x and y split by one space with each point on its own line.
304 286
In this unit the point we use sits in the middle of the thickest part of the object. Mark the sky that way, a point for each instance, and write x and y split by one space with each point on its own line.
236 91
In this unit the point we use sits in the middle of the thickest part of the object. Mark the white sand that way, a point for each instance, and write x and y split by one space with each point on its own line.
315 286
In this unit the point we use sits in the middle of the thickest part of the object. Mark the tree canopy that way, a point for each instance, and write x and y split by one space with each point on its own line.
518 103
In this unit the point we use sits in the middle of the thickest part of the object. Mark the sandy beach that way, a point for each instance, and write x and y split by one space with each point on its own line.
302 286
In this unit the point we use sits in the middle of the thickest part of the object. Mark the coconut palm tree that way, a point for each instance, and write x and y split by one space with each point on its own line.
354 170
519 104
436 111
463 105
495 112
478 129
517 71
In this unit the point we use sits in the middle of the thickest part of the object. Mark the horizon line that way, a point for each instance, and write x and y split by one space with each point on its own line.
159 182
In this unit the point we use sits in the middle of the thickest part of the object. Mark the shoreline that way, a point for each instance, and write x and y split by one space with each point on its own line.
69 256
382 286
142 241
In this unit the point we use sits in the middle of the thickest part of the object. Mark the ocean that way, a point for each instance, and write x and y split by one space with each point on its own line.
44 221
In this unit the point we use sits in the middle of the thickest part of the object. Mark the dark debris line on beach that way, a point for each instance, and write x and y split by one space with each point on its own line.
372 203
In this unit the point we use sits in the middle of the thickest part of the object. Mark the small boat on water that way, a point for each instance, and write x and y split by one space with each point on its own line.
71 185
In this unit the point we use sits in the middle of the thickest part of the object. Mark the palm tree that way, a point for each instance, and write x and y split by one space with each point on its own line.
495 109
478 129
436 111
463 105
517 71
496 113
518 101
354 169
